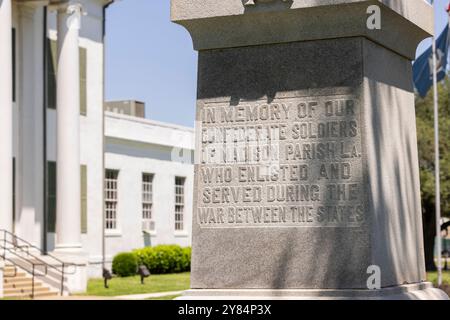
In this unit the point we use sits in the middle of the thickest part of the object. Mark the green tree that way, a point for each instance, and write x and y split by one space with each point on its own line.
425 132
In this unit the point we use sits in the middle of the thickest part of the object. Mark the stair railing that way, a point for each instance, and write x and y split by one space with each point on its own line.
15 246
32 272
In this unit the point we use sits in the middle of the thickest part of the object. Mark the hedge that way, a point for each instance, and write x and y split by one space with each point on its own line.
165 258
160 259
125 264
187 259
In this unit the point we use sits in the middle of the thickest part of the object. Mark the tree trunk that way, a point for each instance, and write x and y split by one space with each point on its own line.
429 235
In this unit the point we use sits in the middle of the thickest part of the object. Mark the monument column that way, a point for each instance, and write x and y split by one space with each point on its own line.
6 116
68 228
307 178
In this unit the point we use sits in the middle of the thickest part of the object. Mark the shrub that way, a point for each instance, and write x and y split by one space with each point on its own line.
186 266
125 264
164 258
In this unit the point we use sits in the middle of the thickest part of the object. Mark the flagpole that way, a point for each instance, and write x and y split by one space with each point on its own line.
437 164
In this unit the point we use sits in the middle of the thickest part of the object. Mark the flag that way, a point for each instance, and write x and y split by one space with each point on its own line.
423 66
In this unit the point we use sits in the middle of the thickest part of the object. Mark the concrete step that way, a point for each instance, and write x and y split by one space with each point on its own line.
18 284
22 284
28 295
52 276
14 275
9 268
17 279
47 294
25 290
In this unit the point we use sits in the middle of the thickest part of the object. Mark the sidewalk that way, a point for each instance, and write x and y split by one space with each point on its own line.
143 296
146 296
73 298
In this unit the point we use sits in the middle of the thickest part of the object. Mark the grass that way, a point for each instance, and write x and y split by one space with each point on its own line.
170 282
132 285
432 277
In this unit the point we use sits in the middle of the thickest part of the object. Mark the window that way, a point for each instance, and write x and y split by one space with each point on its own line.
179 204
14 64
111 177
14 189
51 62
83 81
148 222
51 196
84 222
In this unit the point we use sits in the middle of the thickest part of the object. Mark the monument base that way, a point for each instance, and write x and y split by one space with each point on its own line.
422 291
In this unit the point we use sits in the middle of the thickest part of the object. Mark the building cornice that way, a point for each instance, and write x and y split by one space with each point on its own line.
144 121
57 2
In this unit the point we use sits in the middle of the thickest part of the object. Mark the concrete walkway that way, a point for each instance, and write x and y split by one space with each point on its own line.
69 298
143 296
149 295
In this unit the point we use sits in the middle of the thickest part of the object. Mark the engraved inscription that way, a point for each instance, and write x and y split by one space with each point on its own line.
290 162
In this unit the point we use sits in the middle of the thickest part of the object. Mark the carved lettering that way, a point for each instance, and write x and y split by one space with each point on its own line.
291 162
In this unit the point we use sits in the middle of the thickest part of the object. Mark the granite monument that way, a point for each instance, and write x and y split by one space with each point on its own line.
306 176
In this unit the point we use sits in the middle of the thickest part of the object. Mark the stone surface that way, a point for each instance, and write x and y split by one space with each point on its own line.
335 112
423 291
220 24
282 253
307 169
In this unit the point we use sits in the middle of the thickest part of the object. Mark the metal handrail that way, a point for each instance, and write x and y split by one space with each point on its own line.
13 245
30 262
42 262
33 270
15 237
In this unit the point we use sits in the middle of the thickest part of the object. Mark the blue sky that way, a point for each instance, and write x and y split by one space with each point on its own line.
151 59
441 18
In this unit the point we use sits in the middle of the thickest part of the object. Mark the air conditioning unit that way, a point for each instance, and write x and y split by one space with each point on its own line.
148 225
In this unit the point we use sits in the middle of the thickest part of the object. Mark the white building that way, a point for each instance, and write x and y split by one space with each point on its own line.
51 145
152 162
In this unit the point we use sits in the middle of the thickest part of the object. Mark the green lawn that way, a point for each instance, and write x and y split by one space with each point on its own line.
166 283
132 285
432 277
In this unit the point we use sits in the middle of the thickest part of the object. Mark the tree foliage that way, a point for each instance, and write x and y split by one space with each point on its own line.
425 132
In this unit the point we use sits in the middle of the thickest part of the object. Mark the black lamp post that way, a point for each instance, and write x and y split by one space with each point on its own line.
143 272
106 276
446 255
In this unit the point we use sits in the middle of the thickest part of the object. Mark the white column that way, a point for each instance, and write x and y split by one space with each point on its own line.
6 134
29 156
68 231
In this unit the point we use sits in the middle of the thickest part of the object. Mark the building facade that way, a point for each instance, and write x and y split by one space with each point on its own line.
149 183
73 174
